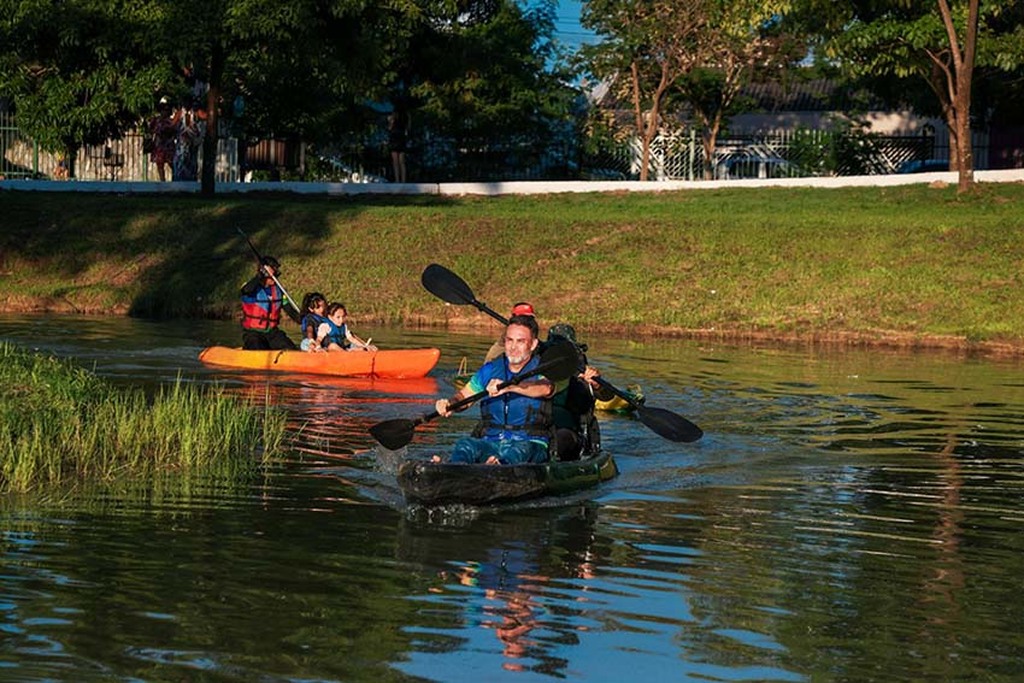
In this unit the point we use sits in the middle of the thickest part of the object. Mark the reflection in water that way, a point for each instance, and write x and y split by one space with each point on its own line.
328 416
849 515
507 601
946 584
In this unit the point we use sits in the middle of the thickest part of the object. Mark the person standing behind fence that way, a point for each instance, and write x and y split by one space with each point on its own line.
162 141
191 127
398 142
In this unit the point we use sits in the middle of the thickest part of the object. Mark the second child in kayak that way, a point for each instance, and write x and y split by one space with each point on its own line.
314 312
335 335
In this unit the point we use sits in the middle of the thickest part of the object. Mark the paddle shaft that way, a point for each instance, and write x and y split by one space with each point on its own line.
393 434
259 258
543 368
490 311
469 400
618 392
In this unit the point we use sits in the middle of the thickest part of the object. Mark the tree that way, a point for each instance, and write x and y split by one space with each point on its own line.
939 41
957 73
740 38
78 71
645 47
481 74
297 63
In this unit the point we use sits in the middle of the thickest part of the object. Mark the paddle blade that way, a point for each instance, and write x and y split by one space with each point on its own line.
446 285
667 424
560 360
393 434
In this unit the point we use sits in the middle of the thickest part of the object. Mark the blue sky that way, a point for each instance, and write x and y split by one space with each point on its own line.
567 23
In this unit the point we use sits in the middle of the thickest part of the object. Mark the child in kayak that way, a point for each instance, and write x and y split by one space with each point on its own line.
334 334
314 306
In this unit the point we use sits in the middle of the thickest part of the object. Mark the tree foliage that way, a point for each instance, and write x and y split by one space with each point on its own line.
645 47
297 64
484 75
741 38
937 42
79 71
664 56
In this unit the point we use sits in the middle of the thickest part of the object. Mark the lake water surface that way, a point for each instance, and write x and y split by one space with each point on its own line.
850 515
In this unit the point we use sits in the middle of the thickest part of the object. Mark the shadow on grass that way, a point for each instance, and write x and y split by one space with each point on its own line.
174 256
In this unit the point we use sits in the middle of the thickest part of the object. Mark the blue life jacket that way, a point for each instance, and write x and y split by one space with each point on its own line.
311 319
338 334
510 416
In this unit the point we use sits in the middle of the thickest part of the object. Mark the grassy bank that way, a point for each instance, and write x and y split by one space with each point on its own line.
913 264
59 424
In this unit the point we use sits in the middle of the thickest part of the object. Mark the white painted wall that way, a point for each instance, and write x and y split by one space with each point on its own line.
505 188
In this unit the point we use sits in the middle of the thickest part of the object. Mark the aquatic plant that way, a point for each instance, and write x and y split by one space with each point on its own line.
60 423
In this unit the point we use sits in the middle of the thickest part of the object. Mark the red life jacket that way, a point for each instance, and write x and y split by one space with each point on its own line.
262 311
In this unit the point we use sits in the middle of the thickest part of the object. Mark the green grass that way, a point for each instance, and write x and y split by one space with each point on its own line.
60 424
915 261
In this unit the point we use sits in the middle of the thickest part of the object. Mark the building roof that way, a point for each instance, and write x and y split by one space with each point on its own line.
817 95
820 94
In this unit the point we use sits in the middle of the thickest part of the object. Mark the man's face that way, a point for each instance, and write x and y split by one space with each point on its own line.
519 344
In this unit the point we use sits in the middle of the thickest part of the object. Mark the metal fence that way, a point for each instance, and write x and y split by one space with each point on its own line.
115 159
776 154
678 156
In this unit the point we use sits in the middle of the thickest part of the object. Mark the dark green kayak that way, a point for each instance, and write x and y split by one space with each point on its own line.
435 483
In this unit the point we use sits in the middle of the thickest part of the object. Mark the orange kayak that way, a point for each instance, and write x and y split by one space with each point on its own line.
397 364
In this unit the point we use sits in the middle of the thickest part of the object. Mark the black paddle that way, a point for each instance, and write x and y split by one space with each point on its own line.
558 362
447 286
662 422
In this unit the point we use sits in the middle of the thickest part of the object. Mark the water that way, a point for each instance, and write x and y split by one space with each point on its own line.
849 516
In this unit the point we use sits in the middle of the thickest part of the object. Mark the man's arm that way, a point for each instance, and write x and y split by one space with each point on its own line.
253 285
442 404
601 392
539 387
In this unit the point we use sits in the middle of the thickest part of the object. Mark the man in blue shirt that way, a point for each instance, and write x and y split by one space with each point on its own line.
515 424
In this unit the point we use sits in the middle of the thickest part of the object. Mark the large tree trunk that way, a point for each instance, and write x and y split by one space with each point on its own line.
641 126
645 157
212 120
964 151
709 141
647 126
959 80
961 152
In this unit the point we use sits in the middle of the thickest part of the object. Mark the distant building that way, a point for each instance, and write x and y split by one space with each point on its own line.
774 112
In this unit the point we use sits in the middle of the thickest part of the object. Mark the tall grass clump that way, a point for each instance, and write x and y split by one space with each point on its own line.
60 423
